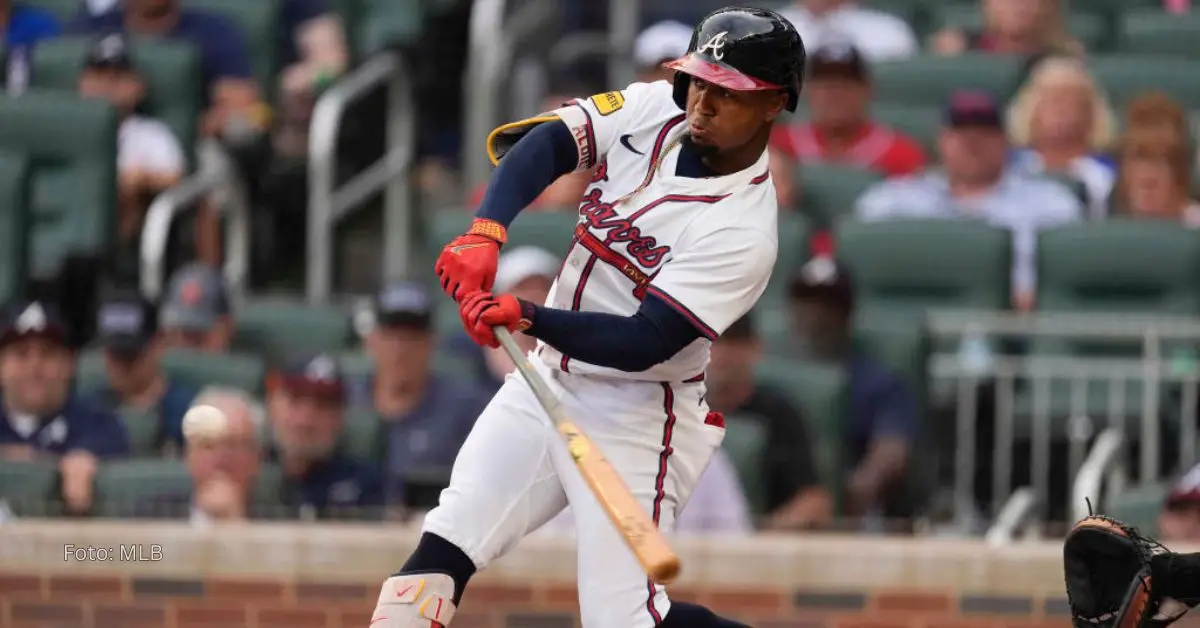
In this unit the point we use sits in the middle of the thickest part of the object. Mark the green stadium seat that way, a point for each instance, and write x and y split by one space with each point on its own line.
28 489
1088 27
1139 506
144 429
1126 77
64 10
897 277
72 144
284 330
929 80
260 23
194 368
171 70
770 314
390 23
364 437
829 191
1152 31
14 218
822 394
920 122
746 443
550 230
126 488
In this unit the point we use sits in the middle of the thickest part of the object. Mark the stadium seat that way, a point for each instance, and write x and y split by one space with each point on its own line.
27 489
1126 77
144 429
929 80
1139 506
550 230
64 10
284 330
746 443
904 267
14 218
171 69
920 122
1152 31
822 394
828 191
1088 27
363 437
72 144
260 23
794 249
194 368
127 488
388 23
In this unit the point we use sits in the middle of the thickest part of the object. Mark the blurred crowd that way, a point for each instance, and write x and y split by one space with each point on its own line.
371 433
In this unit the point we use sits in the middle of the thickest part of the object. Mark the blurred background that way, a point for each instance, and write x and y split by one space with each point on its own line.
984 313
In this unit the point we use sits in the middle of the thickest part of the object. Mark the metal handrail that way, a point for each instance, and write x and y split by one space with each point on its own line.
1103 462
327 204
218 179
1065 324
1015 514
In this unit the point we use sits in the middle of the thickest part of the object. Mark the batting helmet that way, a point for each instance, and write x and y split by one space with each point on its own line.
743 49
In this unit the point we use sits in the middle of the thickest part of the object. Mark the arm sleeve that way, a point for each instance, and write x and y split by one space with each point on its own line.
539 158
104 437
716 278
627 343
594 123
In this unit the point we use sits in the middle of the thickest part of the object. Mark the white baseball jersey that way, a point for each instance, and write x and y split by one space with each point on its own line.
706 246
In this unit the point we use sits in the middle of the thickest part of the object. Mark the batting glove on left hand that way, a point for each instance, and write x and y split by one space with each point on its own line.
482 311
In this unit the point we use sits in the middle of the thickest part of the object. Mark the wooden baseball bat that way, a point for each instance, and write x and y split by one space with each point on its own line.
634 524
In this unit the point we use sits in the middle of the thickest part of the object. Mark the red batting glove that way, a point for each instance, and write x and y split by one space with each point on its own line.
468 263
482 311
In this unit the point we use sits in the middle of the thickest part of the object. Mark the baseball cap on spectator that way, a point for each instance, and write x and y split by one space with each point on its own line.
127 325
1186 491
315 376
196 299
838 60
824 278
110 52
661 42
522 263
29 319
973 108
404 304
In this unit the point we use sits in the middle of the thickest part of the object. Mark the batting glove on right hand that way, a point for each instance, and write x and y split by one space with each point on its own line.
468 263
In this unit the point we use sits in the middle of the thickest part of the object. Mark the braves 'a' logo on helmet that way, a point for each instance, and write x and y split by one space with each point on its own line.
715 46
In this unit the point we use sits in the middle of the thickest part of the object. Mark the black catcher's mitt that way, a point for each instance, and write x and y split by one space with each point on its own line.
1109 577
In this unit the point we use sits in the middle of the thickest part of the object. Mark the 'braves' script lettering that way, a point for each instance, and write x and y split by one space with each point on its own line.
601 217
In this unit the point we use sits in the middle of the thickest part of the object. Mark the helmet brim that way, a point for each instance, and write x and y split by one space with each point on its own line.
718 74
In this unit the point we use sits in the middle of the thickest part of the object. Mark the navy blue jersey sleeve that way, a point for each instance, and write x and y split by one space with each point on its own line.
655 333
538 159
99 433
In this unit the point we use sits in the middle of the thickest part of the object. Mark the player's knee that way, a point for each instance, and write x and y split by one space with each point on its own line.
415 601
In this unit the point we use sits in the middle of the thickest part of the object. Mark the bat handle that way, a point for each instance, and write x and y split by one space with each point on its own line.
541 389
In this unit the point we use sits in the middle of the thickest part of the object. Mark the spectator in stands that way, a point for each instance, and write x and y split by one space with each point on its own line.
234 101
137 387
794 497
38 414
1016 27
661 42
716 506
1180 516
223 471
195 312
1158 109
306 410
426 415
149 157
880 36
840 129
975 183
314 58
1153 180
23 26
528 272
882 425
1063 124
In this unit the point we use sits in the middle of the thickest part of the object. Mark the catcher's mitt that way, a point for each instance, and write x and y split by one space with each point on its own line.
1108 573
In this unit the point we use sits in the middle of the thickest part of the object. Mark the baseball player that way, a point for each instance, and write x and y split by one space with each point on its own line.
676 240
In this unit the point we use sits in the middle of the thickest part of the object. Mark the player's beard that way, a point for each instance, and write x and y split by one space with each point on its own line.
701 150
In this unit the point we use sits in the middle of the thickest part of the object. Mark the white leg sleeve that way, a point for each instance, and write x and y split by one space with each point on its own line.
415 601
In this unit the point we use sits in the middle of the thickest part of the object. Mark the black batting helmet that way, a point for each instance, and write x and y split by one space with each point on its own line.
743 49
